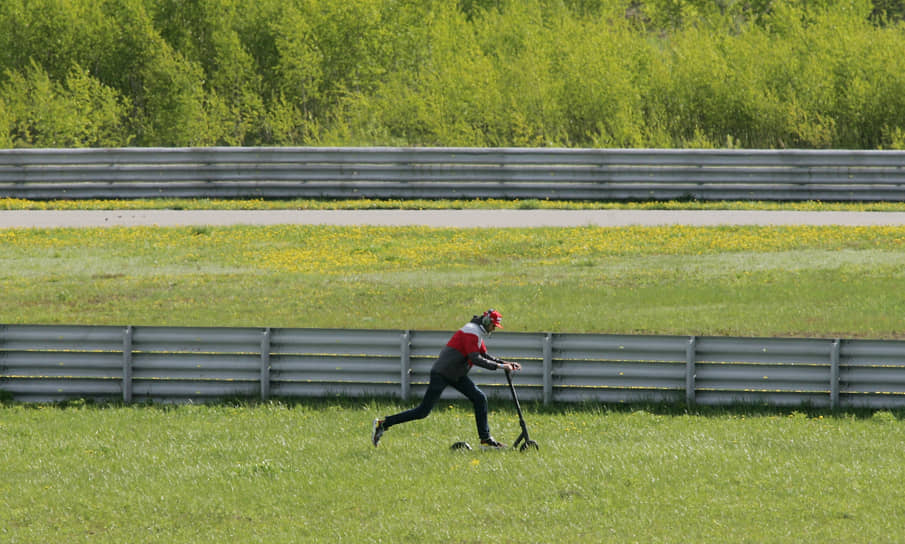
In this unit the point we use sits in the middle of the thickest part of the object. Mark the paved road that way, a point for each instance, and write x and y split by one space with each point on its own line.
442 218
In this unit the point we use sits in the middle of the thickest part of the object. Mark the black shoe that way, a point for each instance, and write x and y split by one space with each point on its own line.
377 431
488 443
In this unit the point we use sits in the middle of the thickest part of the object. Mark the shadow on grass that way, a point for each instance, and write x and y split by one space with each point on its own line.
381 404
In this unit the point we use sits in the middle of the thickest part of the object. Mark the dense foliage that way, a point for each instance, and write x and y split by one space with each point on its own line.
588 73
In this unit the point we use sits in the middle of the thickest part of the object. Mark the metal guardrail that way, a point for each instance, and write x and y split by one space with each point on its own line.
524 173
46 363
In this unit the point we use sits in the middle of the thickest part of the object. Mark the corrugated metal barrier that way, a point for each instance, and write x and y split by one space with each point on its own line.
46 363
404 173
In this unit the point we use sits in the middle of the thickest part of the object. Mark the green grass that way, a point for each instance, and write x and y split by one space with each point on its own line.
430 204
307 473
748 281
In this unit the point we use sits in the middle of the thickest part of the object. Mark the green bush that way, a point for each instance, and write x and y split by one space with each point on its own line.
78 112
580 73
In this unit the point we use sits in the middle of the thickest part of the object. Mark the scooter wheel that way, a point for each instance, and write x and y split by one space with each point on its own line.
460 446
529 444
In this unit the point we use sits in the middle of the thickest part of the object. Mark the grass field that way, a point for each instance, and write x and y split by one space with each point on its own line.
307 473
749 281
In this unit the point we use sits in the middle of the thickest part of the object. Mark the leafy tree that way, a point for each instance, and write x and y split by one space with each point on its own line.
625 73
79 112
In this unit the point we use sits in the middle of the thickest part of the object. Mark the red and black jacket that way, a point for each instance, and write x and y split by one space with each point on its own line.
465 349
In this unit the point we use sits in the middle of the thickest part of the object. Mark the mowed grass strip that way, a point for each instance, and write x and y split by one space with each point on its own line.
747 281
306 472
435 204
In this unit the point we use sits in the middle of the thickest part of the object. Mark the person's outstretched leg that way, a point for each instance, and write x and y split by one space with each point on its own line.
434 389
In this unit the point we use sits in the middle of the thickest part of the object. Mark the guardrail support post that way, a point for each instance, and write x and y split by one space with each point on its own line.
127 364
834 374
690 370
405 349
548 368
2 353
265 364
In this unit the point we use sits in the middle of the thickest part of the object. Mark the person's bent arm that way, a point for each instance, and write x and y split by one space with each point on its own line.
491 363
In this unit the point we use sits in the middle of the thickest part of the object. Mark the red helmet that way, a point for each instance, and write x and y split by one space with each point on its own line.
492 316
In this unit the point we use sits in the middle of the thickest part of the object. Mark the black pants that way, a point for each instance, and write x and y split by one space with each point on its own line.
436 386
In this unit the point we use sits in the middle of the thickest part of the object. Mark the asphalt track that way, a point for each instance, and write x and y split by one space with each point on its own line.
440 218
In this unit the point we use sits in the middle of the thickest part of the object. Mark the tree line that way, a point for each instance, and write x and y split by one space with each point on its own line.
570 73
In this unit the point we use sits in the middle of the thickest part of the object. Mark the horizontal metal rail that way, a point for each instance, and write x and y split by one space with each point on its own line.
378 172
47 363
